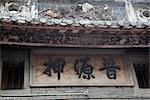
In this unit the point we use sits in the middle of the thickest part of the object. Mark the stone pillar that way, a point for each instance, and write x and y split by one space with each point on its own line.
149 66
0 66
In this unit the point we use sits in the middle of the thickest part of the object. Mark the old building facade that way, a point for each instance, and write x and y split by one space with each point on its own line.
67 49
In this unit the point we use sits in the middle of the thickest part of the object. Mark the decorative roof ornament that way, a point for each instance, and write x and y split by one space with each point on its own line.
106 7
19 9
34 11
28 3
2 9
13 8
107 13
52 14
130 11
25 12
86 7
143 15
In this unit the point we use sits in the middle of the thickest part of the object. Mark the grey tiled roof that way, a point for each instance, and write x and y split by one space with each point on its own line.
75 22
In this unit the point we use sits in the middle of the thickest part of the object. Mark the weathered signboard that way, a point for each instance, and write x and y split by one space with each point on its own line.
77 68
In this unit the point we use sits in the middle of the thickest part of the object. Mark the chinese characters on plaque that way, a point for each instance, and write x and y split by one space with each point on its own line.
57 65
79 69
82 68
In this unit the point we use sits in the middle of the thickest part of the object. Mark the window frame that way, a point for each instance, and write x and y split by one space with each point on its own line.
23 55
12 75
140 92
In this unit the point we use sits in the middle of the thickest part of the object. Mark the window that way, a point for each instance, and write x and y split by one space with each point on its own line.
142 73
12 75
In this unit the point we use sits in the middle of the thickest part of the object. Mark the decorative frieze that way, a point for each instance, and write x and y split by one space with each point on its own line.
54 38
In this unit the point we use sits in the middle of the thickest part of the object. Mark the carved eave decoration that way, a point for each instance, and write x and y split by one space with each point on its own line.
85 24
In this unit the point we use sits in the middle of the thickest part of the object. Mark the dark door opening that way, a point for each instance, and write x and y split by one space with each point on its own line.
12 75
142 74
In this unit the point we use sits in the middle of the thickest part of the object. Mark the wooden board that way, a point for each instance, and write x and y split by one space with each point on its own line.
69 77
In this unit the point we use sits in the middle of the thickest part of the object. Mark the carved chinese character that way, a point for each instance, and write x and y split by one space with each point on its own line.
110 66
57 65
81 66
49 66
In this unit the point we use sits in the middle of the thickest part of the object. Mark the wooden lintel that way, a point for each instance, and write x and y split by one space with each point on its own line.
81 46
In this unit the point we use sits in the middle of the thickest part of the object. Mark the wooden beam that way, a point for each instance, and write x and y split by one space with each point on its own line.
81 46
